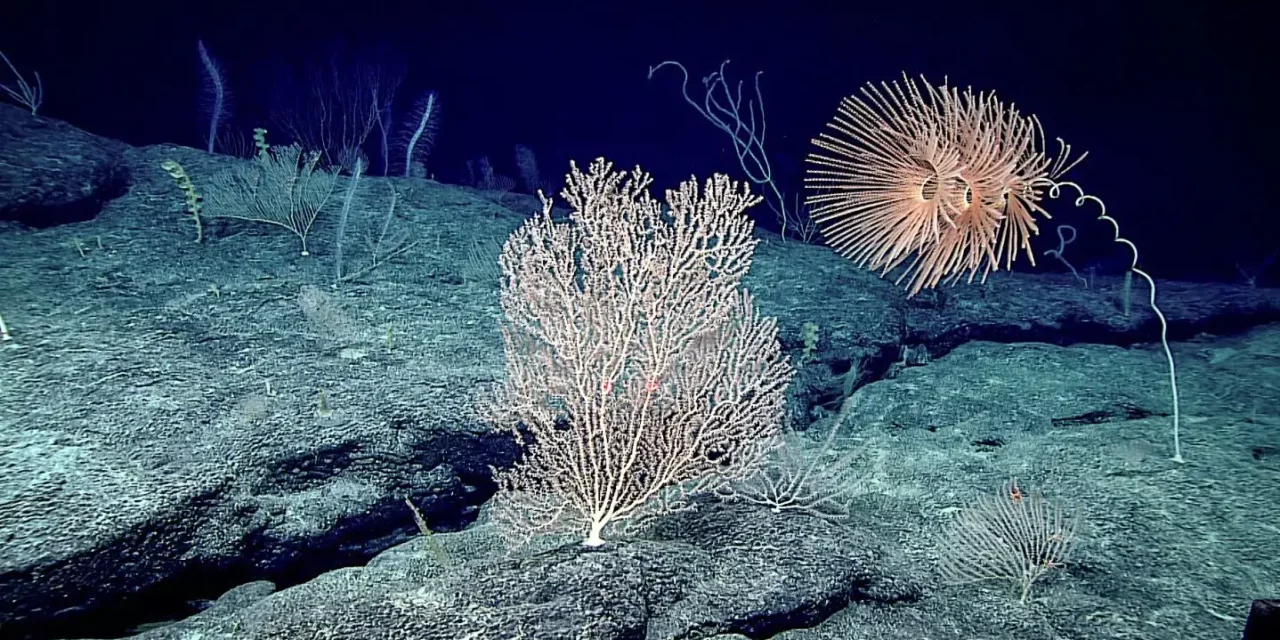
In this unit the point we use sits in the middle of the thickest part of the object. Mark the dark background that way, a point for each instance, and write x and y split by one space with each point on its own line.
1168 101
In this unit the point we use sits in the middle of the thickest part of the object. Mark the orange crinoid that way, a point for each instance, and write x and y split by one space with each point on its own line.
947 182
